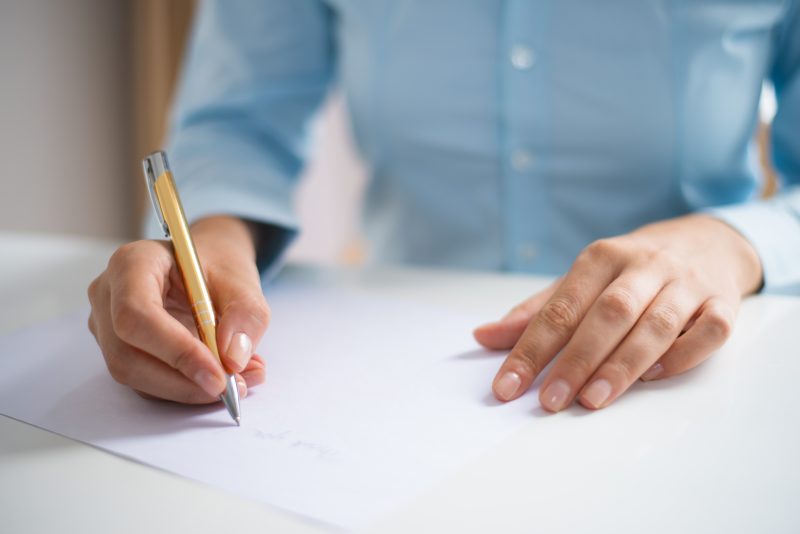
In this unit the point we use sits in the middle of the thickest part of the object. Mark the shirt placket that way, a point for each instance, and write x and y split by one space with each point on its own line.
524 123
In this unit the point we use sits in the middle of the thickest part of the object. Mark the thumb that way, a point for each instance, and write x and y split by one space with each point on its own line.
243 315
504 334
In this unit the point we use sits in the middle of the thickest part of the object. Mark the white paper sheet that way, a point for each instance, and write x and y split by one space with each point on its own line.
367 401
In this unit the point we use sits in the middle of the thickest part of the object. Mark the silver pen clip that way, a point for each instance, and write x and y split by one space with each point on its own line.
155 165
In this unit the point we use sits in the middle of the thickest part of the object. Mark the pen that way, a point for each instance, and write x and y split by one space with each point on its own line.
172 220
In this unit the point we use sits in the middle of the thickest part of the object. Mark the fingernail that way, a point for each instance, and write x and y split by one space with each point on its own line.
242 387
240 350
507 385
597 393
653 372
210 384
556 395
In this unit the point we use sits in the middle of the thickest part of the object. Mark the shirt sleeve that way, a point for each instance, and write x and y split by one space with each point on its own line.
773 226
255 73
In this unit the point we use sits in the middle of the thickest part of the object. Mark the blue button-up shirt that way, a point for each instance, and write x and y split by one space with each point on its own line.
500 134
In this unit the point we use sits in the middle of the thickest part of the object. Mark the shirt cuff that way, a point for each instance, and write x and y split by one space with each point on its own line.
279 225
773 229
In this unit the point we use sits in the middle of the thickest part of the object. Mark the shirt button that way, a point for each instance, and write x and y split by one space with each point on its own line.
526 252
522 57
522 160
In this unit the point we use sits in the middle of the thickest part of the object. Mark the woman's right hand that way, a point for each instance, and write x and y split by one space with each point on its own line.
143 323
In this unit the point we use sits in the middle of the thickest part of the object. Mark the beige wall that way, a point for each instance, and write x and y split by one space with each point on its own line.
68 136
63 117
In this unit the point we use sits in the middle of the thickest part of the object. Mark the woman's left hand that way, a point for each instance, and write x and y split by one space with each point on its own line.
650 304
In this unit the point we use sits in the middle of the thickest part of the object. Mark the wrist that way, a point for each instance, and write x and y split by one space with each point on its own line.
230 236
749 272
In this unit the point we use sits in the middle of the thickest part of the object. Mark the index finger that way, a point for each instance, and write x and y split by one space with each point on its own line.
553 326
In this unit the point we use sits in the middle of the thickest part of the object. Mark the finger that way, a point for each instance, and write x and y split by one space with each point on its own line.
152 377
654 333
610 318
139 319
709 332
243 312
254 373
503 334
554 324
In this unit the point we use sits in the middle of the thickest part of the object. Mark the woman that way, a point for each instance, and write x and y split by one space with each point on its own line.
604 141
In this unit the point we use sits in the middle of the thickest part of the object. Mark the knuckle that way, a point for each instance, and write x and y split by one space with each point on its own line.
617 305
560 314
183 361
524 355
603 250
664 321
122 255
719 323
117 369
622 369
690 276
259 312
251 308
126 320
663 258
579 365
91 291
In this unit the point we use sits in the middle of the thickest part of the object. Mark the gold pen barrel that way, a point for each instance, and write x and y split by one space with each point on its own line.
189 265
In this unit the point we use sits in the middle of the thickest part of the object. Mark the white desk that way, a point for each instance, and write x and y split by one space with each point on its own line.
715 451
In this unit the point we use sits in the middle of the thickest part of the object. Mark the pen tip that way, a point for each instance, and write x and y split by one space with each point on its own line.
238 421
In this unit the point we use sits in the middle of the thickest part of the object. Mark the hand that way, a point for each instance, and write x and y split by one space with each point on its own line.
144 326
650 305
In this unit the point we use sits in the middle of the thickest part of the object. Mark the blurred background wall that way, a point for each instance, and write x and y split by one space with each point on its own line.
64 115
85 93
